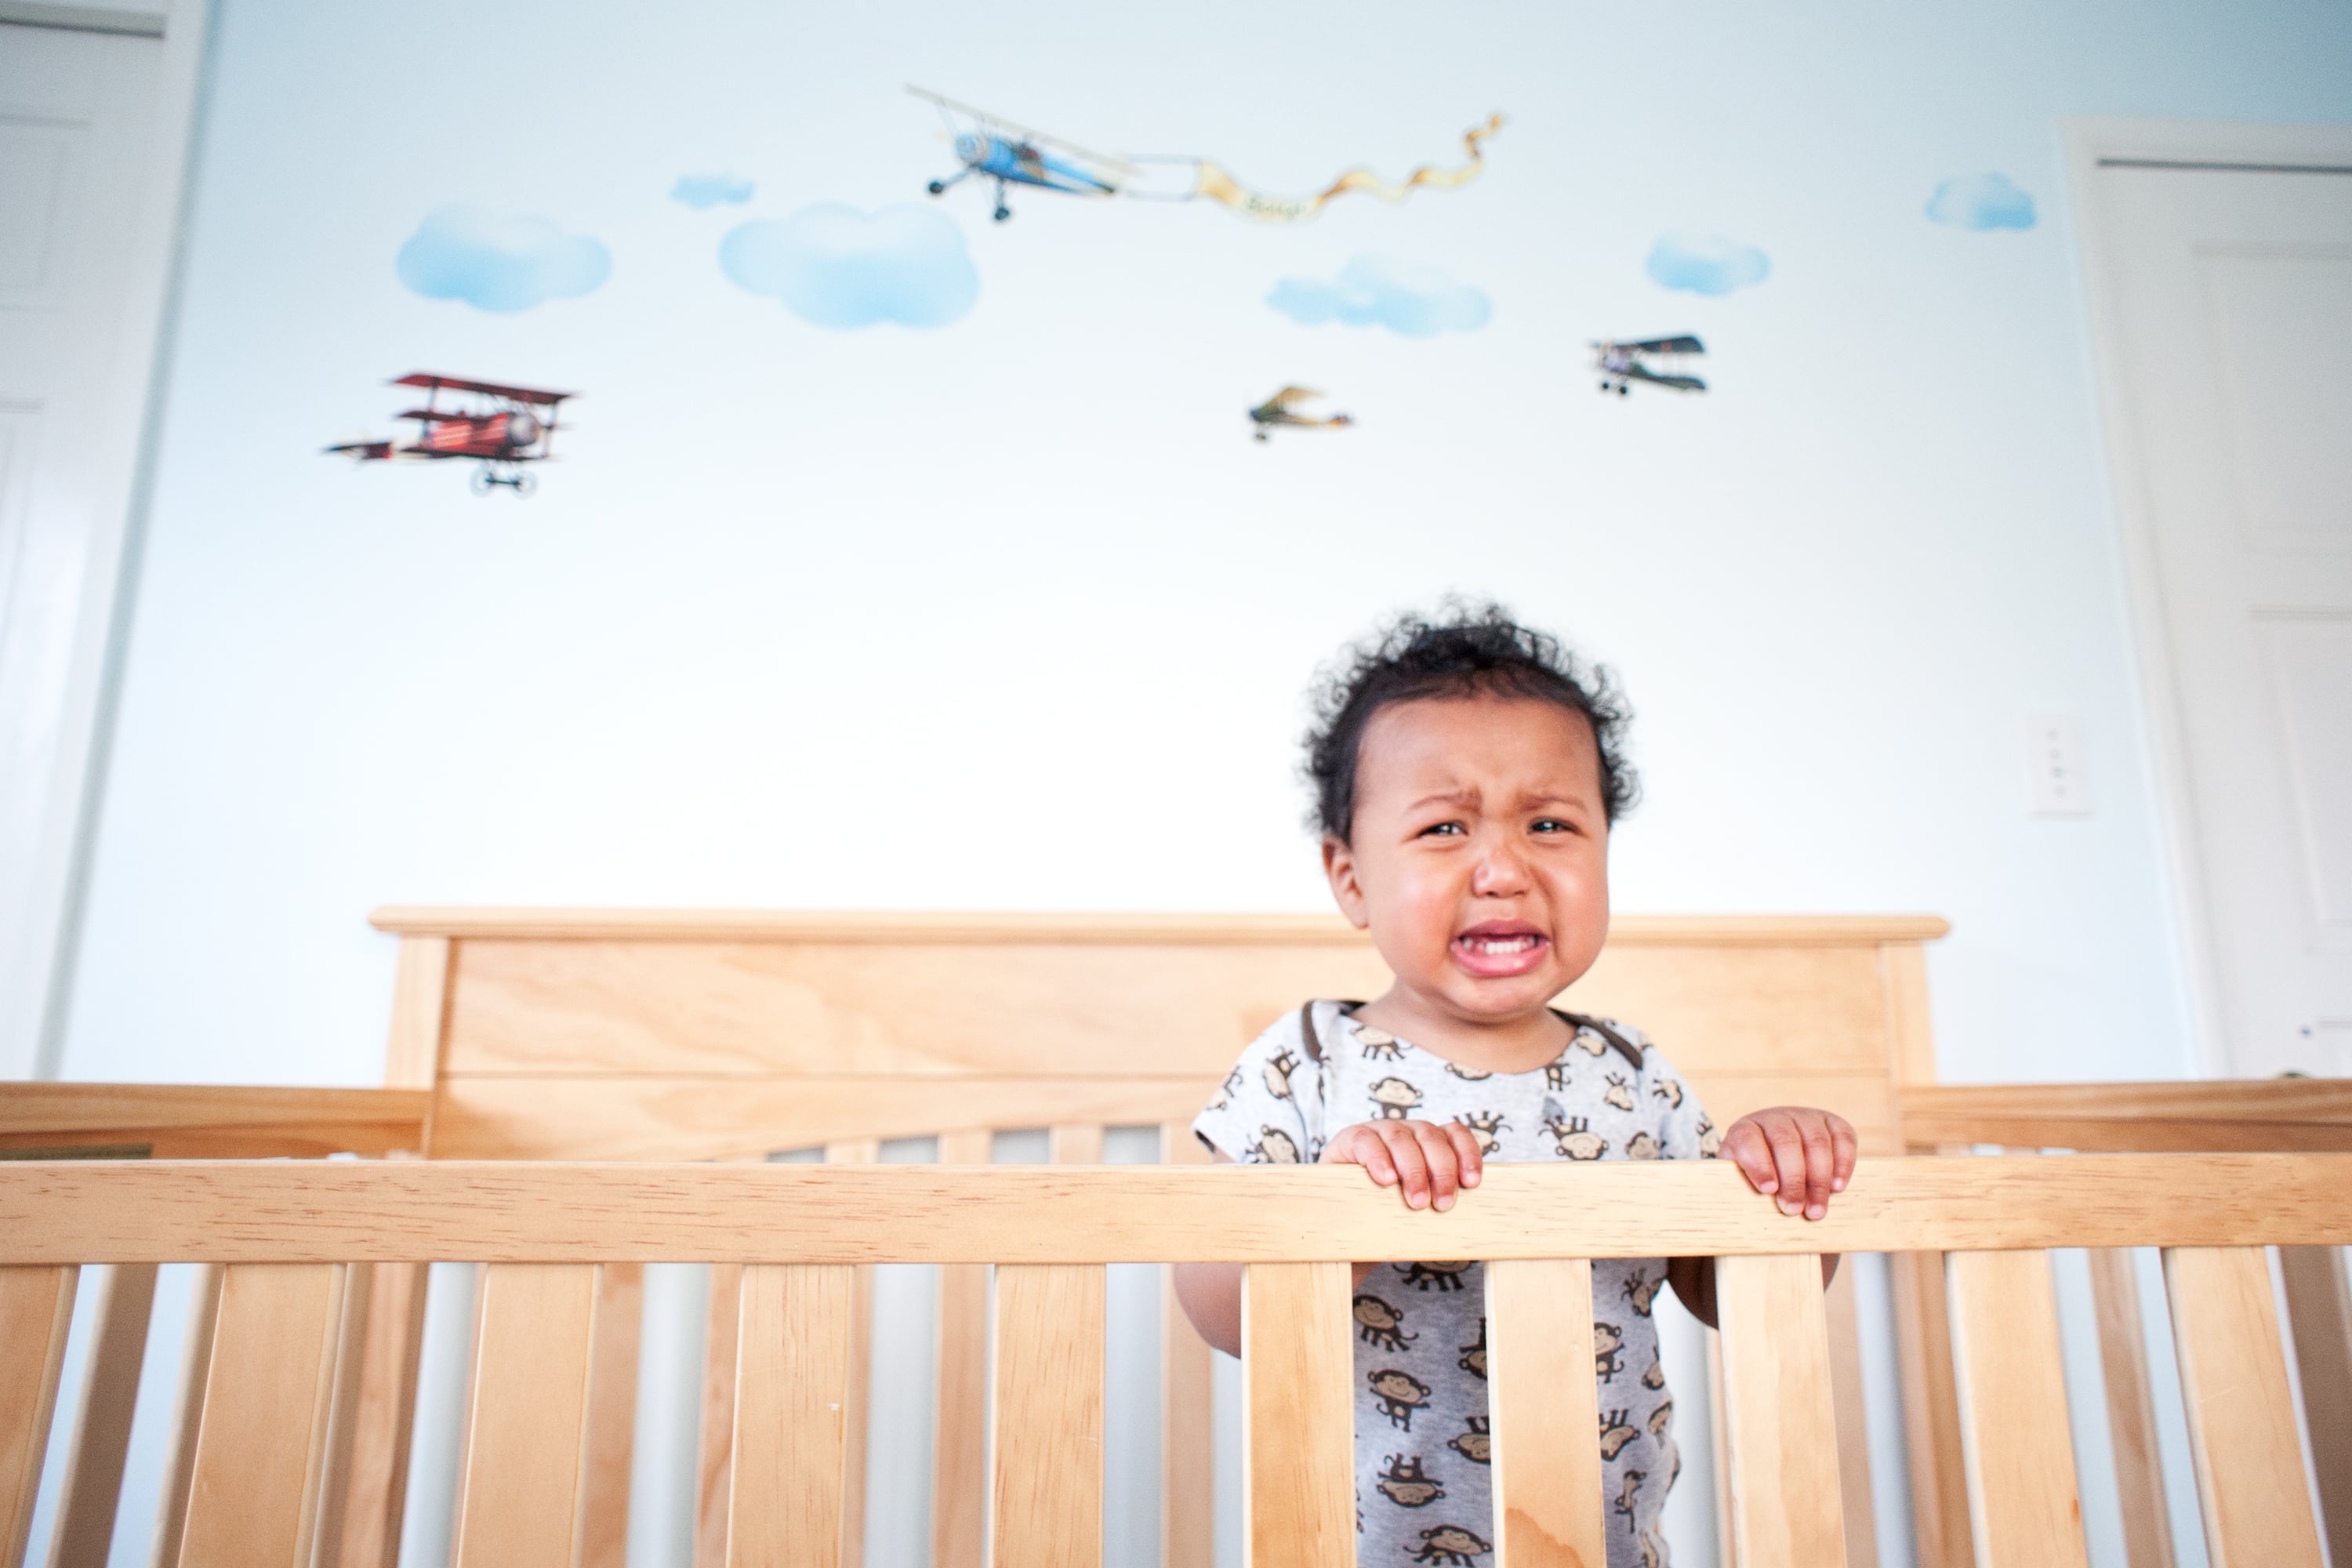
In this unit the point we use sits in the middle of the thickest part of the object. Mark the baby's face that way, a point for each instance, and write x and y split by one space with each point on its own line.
1480 860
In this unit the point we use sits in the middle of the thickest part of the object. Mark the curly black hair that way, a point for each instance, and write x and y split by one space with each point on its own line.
1464 651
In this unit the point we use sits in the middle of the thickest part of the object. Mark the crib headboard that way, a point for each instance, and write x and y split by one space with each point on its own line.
682 1035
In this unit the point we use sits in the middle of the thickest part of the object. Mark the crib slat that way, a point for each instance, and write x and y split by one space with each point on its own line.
1076 1144
343 1411
2019 1449
93 1478
960 1453
1780 1424
2131 1409
253 1500
187 1419
1853 1421
2319 1314
1049 1415
2241 1429
714 1454
788 1500
1931 1421
35 1312
519 1500
612 1415
375 1493
857 1152
1298 1416
1544 1411
1187 1442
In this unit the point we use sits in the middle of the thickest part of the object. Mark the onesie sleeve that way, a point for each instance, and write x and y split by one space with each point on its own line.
1683 1128
1269 1110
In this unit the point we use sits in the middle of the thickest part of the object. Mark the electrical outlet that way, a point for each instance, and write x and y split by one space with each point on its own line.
2053 754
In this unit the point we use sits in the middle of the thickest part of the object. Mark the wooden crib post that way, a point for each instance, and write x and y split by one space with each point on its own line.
1188 1435
1779 1419
2241 1429
2131 1409
1544 1411
959 1451
93 1478
253 1499
520 1492
612 1415
1298 1416
2019 1447
36 1312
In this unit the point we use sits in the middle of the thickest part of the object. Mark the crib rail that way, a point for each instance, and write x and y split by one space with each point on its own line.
289 1238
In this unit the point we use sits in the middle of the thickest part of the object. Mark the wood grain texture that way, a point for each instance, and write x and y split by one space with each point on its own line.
1117 928
2319 1310
91 1493
343 1411
2251 1116
2242 1430
714 1454
1941 1535
187 1418
36 1313
2022 1505
519 1497
2131 1409
1048 1443
253 1499
1188 1436
1846 1390
612 1415
959 1443
1299 1507
1903 968
857 1411
1726 1550
376 1491
787 1503
150 1211
1779 1418
199 1122
1543 1413
420 994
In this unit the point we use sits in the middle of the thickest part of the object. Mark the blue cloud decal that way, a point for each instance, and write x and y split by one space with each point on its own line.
701 191
1705 263
494 262
838 266
1375 291
1982 202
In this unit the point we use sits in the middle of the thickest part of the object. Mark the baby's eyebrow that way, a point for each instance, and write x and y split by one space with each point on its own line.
1449 797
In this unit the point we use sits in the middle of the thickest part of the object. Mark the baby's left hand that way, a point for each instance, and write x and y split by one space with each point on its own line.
1795 1153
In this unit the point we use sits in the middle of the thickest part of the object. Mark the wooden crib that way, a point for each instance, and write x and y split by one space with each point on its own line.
294 1241
659 1037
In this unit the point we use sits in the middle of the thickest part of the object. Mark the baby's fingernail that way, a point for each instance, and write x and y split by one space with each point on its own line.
1444 1203
1788 1206
1471 1180
1837 1183
1818 1211
1767 1185
1415 1200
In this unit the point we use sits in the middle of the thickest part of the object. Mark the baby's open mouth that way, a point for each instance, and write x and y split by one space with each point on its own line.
1498 948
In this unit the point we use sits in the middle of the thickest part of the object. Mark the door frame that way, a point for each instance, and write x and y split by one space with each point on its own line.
2090 143
61 819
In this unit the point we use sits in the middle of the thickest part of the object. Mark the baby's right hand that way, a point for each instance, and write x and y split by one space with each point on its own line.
1430 1160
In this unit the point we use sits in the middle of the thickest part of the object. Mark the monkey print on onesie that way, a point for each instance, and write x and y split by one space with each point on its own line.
1423 1496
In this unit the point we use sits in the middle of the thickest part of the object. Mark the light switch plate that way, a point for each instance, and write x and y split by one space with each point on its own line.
2061 786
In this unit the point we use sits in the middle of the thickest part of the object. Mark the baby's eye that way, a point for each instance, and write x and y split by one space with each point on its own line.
1449 829
1553 825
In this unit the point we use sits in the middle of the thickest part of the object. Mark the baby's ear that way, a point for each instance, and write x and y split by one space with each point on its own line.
1339 868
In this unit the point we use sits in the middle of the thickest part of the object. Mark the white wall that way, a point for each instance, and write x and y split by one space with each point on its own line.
1009 614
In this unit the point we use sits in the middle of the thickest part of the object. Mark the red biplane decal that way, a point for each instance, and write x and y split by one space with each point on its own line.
500 426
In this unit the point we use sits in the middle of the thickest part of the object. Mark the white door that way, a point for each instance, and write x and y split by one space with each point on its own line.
92 133
2220 267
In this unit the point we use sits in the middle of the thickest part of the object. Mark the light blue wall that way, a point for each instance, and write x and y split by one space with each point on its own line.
1010 614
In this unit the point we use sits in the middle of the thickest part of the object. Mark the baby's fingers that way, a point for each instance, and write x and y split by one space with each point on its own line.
1362 1146
1444 1161
1413 1174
